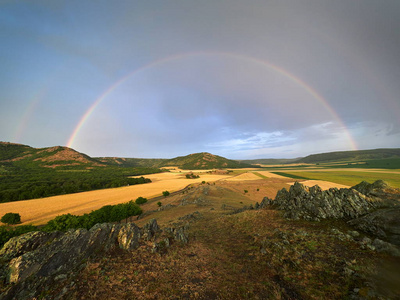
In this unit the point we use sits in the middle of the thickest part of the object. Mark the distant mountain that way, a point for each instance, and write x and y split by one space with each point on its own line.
19 155
132 162
349 156
203 160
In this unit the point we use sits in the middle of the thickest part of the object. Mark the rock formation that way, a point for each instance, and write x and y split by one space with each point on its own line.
301 202
35 260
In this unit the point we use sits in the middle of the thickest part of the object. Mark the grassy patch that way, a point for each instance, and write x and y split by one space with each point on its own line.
291 175
260 175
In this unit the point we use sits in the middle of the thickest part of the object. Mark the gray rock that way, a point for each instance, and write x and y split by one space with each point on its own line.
193 216
150 229
25 243
179 234
382 246
383 223
128 237
35 261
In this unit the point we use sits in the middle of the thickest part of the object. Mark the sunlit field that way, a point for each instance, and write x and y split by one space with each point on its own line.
40 211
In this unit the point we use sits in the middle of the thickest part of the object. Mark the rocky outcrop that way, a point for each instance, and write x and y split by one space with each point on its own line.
193 216
44 254
379 188
383 223
37 260
301 202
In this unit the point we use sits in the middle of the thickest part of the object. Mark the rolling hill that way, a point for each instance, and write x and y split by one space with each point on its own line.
203 160
24 156
347 156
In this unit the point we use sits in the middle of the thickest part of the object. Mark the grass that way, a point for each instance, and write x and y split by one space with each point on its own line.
290 175
260 175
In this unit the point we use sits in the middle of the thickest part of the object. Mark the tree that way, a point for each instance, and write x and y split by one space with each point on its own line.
165 193
140 200
159 204
11 218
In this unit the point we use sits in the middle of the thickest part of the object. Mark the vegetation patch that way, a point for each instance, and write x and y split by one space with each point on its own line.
291 175
108 213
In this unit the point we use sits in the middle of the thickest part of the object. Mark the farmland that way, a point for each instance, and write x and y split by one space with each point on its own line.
41 210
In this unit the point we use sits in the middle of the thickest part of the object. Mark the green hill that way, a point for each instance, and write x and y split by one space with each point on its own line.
23 156
352 156
270 161
203 160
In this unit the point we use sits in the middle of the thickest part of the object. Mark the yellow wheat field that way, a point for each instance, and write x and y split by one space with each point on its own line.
40 211
244 176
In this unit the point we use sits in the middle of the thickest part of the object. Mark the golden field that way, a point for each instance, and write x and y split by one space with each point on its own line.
40 211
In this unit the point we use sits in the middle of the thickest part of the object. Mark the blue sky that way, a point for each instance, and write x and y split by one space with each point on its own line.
241 79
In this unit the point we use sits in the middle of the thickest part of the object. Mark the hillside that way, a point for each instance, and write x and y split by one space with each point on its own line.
30 173
357 155
203 161
211 241
51 157
270 161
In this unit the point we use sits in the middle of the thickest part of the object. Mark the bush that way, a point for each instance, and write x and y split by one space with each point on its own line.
165 193
108 213
11 219
159 204
140 200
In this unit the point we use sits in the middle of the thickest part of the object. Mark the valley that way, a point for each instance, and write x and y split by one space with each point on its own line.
221 233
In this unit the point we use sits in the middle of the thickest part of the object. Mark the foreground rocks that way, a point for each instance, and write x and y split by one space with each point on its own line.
35 260
371 208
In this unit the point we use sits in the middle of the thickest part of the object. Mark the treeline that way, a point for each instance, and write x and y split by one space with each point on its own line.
106 214
33 184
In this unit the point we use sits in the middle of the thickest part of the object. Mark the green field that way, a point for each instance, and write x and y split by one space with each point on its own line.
345 177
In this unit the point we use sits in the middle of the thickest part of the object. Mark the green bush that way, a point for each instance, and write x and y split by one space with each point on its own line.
165 193
140 200
159 204
108 213
11 219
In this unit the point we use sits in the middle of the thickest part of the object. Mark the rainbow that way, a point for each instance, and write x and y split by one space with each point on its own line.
26 116
168 59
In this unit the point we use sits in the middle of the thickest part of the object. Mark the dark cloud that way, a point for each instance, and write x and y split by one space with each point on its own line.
329 78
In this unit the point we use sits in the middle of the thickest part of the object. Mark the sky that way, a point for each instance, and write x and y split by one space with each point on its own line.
244 79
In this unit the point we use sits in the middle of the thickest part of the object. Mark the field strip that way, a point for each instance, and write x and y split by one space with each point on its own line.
322 169
40 211
324 185
270 174
244 176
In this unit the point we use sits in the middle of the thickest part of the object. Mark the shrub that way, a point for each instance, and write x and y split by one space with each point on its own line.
140 200
159 204
11 218
165 193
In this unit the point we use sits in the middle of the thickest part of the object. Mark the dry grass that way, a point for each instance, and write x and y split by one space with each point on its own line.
324 185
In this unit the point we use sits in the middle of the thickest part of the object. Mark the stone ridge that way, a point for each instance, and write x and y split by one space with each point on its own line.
301 202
